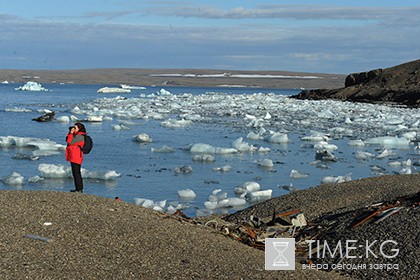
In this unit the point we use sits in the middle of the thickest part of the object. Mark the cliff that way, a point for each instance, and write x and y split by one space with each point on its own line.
395 85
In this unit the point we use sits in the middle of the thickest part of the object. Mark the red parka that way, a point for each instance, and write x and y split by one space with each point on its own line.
75 142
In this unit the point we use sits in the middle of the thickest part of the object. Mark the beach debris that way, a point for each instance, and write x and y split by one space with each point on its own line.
47 224
37 237
45 118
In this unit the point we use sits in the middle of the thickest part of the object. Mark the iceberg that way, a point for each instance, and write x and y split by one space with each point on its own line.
31 86
142 138
278 138
186 194
113 90
123 86
208 149
389 142
59 171
297 175
14 179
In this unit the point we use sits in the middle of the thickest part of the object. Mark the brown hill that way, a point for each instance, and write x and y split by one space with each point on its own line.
178 77
399 85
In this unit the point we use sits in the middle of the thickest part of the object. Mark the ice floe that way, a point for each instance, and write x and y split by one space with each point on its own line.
41 146
187 194
113 90
31 86
59 171
14 179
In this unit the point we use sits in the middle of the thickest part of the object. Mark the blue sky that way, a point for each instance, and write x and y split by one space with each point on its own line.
329 36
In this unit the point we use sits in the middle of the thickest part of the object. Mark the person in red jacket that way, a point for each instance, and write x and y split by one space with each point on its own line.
75 140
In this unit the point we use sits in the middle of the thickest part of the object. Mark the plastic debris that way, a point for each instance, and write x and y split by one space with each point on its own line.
37 237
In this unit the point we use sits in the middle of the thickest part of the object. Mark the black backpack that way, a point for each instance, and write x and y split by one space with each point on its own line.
88 144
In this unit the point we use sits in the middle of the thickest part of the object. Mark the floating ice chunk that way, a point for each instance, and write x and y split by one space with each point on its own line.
52 171
254 136
210 205
103 175
389 142
14 179
410 135
59 171
131 87
203 158
231 202
348 120
266 162
31 86
143 138
263 150
186 194
241 146
326 114
406 162
92 118
148 203
163 149
63 119
316 137
172 123
406 170
225 168
164 92
325 145
119 127
249 117
113 90
386 153
325 155
246 187
18 110
394 163
356 143
258 196
297 175
278 138
35 179
363 155
203 212
267 116
183 169
336 180
208 149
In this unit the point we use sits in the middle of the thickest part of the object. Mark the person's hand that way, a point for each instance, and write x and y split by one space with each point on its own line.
73 130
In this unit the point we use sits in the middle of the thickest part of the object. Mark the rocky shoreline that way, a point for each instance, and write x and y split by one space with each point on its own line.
52 235
398 85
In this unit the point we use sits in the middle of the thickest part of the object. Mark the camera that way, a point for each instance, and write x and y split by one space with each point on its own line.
71 127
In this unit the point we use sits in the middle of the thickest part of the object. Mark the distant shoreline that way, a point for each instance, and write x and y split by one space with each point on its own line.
178 77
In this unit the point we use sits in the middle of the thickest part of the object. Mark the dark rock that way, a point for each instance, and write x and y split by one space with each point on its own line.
396 85
45 118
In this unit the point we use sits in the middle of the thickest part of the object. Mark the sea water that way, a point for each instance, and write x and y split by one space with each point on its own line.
151 175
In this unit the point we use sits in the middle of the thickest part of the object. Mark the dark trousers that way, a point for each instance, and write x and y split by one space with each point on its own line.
77 175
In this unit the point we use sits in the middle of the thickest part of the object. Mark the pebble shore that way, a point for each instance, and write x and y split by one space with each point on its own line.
58 235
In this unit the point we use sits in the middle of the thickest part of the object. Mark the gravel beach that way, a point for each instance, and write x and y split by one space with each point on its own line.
336 210
57 235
